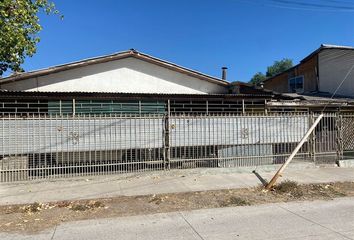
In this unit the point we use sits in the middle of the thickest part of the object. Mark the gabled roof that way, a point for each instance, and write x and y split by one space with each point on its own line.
326 46
112 57
318 50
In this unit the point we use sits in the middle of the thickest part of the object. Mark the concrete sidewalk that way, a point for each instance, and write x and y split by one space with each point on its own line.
321 220
158 182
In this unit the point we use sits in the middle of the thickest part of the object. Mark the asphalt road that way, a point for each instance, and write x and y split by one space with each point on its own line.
298 220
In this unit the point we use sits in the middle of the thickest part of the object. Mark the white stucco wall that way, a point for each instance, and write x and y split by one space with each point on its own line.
334 65
125 75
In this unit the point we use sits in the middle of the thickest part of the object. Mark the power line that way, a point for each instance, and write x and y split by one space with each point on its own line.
314 4
327 6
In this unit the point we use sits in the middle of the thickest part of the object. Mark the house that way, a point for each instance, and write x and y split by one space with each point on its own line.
131 82
320 73
127 82
124 72
129 112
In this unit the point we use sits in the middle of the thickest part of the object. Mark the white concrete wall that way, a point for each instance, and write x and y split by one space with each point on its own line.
334 65
125 75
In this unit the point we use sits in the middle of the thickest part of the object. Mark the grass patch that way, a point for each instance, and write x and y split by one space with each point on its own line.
86 206
288 187
325 191
79 207
239 201
157 199
32 208
234 201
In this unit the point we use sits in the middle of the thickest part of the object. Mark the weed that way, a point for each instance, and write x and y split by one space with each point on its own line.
62 204
95 204
239 201
234 201
86 206
157 199
289 187
79 207
32 208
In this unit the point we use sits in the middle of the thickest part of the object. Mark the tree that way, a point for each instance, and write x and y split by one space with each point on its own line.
19 28
276 68
257 78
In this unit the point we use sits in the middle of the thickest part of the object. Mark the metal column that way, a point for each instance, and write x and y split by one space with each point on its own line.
167 153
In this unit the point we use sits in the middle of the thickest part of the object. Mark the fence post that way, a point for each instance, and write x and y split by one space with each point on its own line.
339 137
74 107
312 139
166 160
243 107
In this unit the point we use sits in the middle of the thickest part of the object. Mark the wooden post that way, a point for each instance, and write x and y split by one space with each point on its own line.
303 140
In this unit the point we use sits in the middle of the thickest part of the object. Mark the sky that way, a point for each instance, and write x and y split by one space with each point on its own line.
204 35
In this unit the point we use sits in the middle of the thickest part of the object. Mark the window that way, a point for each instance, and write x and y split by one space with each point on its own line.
296 84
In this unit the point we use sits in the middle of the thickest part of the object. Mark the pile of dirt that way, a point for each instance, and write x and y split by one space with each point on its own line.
32 218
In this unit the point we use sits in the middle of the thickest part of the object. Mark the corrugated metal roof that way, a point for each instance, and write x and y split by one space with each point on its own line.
320 97
19 94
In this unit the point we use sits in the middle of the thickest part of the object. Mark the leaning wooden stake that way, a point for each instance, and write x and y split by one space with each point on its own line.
303 140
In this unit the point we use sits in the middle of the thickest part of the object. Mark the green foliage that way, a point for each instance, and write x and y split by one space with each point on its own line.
257 78
19 28
276 68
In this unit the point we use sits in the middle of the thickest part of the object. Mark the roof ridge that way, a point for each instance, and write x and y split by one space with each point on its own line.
336 46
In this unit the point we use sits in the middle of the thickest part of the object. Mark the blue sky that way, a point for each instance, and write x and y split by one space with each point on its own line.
200 34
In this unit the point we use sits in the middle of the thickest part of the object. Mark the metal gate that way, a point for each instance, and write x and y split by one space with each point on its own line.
226 140
50 146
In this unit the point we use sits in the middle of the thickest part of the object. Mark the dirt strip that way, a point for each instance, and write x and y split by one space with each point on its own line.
36 217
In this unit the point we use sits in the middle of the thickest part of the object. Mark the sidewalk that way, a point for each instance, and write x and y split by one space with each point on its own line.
325 220
158 182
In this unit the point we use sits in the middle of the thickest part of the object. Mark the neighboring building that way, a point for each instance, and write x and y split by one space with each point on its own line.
323 71
123 72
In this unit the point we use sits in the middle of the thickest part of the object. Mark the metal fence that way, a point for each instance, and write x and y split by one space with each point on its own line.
49 146
347 136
